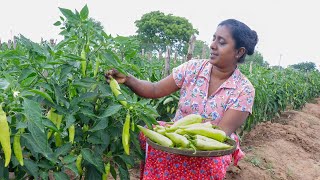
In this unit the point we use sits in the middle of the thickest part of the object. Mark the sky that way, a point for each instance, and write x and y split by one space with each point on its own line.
288 30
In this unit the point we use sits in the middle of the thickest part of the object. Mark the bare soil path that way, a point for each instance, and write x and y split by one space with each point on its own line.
287 148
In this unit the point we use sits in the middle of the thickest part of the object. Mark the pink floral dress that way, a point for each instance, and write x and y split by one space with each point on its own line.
193 78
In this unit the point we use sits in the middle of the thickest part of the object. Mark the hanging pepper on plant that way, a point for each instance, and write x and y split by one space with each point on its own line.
106 171
5 137
71 130
78 164
56 120
52 116
126 134
17 150
115 88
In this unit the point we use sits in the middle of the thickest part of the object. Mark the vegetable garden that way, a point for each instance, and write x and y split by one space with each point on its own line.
58 114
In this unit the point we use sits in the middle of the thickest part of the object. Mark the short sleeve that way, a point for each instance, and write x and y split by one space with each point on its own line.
179 73
245 100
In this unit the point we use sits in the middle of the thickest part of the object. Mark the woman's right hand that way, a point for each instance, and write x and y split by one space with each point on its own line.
119 77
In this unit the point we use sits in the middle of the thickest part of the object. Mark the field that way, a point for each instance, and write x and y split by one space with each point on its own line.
58 108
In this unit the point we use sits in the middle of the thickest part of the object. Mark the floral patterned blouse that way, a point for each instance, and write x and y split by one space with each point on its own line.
193 80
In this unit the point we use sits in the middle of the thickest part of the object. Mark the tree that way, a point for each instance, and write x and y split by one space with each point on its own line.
304 66
198 49
157 30
256 58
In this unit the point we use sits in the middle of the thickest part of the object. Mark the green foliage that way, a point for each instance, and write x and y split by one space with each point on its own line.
35 78
304 66
278 89
157 30
256 58
198 49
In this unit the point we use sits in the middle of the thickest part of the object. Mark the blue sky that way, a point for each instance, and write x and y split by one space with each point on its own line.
289 29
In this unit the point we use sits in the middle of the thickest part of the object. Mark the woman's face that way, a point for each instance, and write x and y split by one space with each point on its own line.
222 49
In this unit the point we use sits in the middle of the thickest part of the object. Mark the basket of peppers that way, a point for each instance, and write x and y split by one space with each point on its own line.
189 136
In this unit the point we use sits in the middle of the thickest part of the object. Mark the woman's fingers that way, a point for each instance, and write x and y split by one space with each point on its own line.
113 73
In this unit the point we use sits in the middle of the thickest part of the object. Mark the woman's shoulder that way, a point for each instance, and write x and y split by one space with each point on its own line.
245 82
196 64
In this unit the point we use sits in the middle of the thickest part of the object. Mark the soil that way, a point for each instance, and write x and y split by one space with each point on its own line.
285 148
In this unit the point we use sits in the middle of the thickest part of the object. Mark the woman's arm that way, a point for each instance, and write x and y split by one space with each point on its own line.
144 88
232 120
148 89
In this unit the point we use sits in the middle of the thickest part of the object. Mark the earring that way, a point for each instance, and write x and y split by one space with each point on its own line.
237 57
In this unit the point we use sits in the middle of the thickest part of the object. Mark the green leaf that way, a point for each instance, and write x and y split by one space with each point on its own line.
44 174
65 70
58 23
21 125
88 156
49 124
113 172
102 124
88 112
69 159
28 81
33 115
69 121
122 167
60 176
32 167
29 140
92 173
88 96
4 172
4 84
94 140
68 14
147 120
73 167
111 110
63 150
84 12
43 94
44 164
127 159
59 95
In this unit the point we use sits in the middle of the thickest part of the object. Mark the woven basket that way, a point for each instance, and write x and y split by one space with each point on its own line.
187 152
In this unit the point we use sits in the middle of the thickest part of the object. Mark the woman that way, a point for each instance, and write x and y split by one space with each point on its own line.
213 88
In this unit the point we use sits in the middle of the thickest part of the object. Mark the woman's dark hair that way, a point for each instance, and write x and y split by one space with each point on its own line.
243 36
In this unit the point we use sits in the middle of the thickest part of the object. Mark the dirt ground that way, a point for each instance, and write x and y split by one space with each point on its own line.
286 148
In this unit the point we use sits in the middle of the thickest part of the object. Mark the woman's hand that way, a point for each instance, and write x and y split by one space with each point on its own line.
119 77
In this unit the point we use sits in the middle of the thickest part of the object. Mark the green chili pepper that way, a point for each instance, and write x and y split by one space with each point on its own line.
178 140
189 119
17 147
156 137
5 137
115 88
126 134
78 164
207 144
208 132
71 130
106 171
